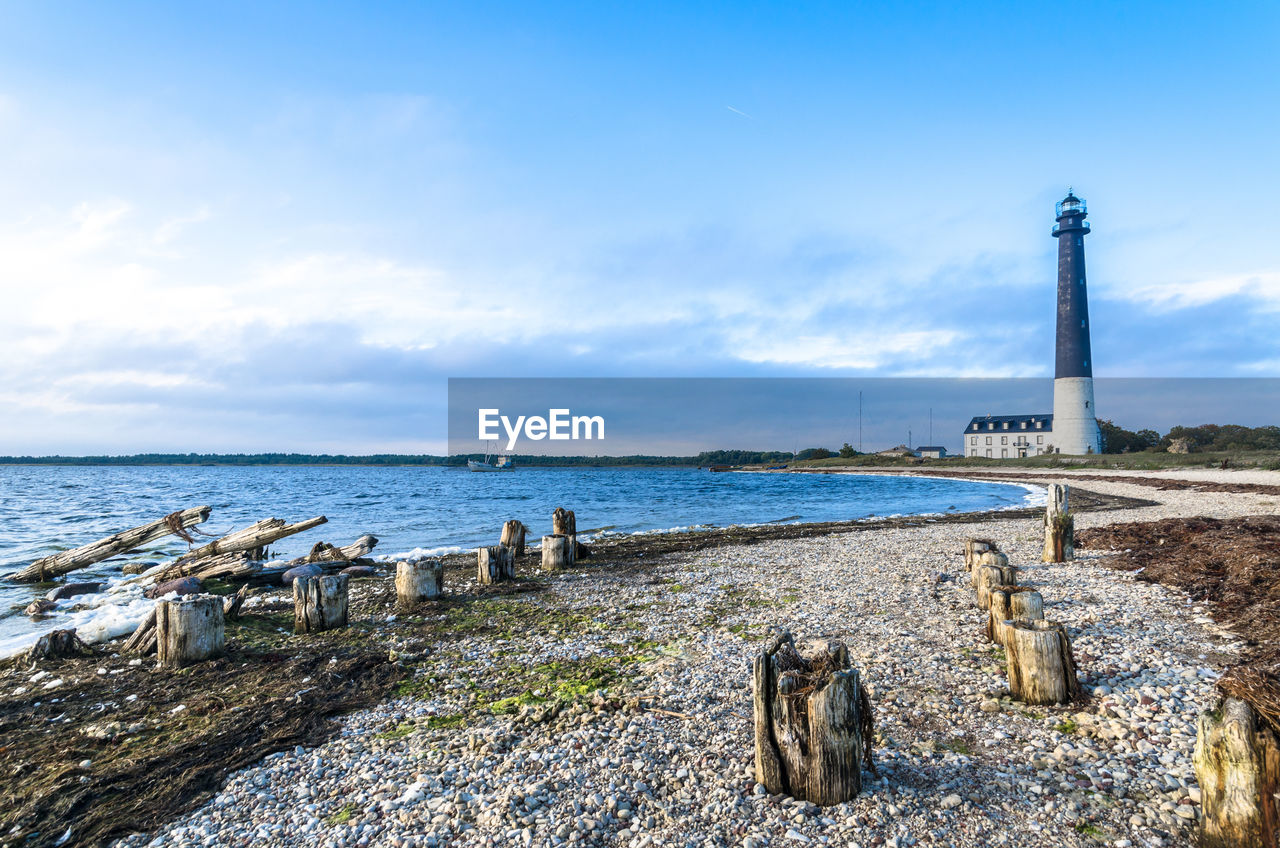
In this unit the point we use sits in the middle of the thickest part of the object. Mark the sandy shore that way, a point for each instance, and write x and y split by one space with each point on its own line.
613 707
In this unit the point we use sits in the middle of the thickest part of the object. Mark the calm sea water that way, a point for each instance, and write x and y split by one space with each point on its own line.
47 509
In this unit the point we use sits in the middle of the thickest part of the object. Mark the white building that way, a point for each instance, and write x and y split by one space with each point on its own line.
1009 436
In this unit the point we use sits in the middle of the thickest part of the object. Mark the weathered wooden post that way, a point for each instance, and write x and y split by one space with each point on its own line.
557 552
495 564
320 603
1237 762
1059 526
987 577
1012 603
814 728
513 536
973 548
419 581
1040 665
565 523
188 630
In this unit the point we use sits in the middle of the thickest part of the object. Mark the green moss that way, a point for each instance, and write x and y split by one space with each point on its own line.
1066 726
342 816
1090 829
399 732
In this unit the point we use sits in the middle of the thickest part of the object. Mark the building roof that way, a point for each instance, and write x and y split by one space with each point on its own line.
979 422
930 448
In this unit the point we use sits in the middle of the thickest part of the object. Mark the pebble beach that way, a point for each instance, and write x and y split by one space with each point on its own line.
636 729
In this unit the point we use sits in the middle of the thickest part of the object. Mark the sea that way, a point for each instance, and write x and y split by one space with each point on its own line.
413 511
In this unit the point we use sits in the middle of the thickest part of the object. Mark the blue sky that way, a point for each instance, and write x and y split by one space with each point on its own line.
249 227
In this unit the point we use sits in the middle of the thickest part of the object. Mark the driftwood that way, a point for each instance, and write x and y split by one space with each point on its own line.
232 603
57 645
231 566
254 538
1237 762
322 552
58 564
1059 526
189 630
419 581
1012 603
495 564
320 603
813 723
1040 665
143 640
987 577
513 533
557 553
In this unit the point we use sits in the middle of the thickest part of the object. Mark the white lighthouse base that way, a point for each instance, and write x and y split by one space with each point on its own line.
1075 423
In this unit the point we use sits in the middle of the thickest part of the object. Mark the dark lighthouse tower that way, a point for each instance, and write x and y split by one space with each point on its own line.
1075 422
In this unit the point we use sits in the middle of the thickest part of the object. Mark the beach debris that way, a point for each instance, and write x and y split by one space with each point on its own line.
1041 668
143 640
557 552
232 566
513 533
495 564
814 728
1059 526
188 630
354 571
40 606
181 586
987 577
253 539
232 603
322 552
1012 603
419 581
57 645
1237 763
320 603
70 590
49 567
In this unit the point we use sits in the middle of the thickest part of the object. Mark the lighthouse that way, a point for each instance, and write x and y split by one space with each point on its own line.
1075 421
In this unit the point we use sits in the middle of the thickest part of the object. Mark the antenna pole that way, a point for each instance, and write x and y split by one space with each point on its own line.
859 422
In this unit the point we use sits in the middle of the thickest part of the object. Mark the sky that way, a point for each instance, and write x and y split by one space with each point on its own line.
261 227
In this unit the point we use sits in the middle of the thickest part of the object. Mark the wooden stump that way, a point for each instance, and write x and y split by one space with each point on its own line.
188 630
565 523
813 722
419 581
557 553
320 603
56 645
495 564
513 536
1012 603
987 577
973 548
1059 526
1040 665
1237 762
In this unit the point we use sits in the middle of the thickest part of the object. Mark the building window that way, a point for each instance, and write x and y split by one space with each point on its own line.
1004 440
1039 440
988 440
973 440
991 426
1004 453
1005 425
1039 424
1023 425
988 453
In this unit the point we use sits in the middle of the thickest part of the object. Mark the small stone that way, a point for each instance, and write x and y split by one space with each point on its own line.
951 802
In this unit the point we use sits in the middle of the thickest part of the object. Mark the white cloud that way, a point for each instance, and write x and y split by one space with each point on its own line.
1263 288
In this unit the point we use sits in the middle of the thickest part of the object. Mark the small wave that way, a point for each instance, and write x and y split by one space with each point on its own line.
419 553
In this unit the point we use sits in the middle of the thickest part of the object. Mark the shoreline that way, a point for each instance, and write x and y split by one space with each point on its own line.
671 618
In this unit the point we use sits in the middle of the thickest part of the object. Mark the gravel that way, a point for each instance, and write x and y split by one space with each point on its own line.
663 755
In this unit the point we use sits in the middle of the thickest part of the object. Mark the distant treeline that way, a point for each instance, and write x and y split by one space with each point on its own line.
1205 438
724 457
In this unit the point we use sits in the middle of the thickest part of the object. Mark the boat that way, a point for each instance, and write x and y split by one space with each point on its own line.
502 463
